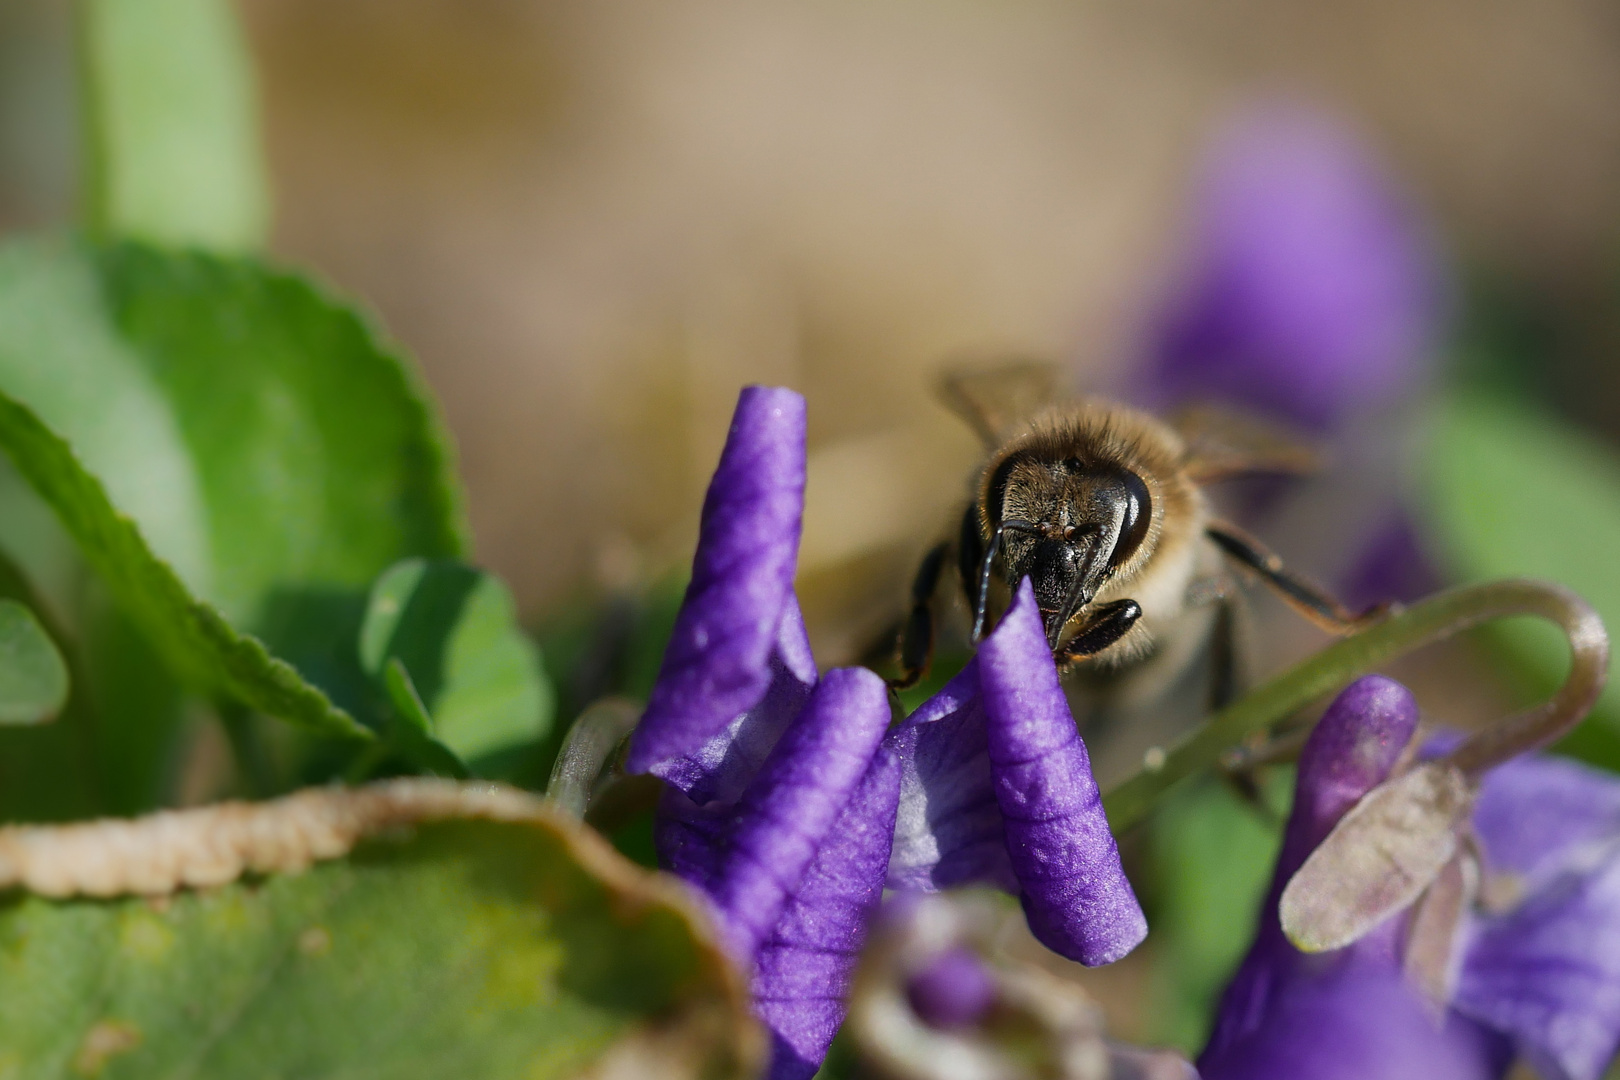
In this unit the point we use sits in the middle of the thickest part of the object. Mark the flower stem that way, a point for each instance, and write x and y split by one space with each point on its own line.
585 751
1433 619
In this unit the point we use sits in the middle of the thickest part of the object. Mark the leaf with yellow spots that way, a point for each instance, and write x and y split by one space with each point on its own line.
407 929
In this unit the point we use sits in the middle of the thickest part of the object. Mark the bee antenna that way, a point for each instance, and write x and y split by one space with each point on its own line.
990 552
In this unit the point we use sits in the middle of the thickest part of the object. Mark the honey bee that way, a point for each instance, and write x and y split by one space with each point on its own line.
1102 507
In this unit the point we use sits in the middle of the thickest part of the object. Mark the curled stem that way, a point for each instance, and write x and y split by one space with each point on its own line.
585 750
1554 718
1434 619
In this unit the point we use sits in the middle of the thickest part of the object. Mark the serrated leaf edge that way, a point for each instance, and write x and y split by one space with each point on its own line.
250 671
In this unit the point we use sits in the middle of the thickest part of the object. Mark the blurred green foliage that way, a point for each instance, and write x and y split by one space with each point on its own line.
1212 852
33 675
449 633
1509 490
171 126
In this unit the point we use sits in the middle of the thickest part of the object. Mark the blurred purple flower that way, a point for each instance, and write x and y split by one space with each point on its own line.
782 786
1539 974
954 989
1314 291
1313 294
998 790
1544 967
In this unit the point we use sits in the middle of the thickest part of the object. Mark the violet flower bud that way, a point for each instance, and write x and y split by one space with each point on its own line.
999 791
1314 291
937 997
953 990
1313 294
782 785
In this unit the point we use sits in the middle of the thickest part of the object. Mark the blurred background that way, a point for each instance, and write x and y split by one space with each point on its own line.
591 223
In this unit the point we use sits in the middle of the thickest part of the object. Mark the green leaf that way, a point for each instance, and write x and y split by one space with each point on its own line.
232 451
43 774
483 943
33 675
172 135
412 731
199 639
1510 491
454 630
114 748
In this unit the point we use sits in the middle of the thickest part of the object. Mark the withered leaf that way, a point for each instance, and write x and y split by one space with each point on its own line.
1378 859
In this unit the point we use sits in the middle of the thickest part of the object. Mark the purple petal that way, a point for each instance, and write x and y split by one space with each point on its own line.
1548 972
803 787
1532 811
801 981
955 989
1391 565
717 665
698 807
1075 893
1355 1025
1352 750
949 830
723 766
1314 289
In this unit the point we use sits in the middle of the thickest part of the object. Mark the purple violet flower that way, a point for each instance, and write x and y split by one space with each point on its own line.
1538 963
998 790
1541 963
782 785
1348 1014
1314 292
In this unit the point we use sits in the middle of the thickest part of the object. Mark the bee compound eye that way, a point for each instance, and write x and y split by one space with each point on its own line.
1138 515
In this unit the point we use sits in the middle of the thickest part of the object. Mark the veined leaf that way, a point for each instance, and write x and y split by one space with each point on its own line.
231 450
197 638
466 931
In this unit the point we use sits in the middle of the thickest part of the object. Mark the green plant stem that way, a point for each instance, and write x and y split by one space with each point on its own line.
1434 619
589 743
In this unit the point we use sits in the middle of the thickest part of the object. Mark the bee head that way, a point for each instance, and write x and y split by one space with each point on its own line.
1068 526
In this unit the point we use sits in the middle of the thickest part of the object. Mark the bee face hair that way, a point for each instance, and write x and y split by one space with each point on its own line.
1088 494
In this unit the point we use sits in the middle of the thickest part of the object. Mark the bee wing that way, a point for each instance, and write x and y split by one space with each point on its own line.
1223 443
994 398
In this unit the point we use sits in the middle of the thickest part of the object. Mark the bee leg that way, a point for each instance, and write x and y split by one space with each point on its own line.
916 645
1226 675
1241 767
1310 601
1107 624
